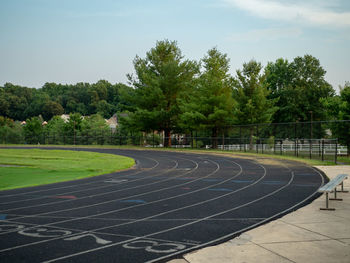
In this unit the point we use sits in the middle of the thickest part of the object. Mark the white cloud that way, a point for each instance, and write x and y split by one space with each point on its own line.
312 13
266 34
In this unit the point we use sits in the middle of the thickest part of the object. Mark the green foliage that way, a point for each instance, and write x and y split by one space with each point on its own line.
51 109
96 127
171 94
10 131
251 93
211 104
33 130
160 79
299 87
20 103
338 107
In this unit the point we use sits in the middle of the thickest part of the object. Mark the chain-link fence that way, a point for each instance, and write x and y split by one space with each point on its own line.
297 138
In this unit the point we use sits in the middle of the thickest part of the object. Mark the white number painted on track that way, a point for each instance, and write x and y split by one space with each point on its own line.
97 239
11 227
154 247
44 232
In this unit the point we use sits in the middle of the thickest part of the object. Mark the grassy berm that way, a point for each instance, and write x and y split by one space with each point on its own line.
24 168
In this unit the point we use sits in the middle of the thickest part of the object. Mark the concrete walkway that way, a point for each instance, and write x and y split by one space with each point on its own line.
306 235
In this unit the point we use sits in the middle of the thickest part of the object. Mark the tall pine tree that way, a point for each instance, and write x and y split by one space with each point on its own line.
251 93
211 106
160 80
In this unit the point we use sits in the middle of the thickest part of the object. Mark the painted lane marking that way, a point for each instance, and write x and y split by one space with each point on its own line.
181 226
211 180
163 189
242 181
92 189
44 232
115 181
11 227
247 228
3 216
97 239
145 219
154 246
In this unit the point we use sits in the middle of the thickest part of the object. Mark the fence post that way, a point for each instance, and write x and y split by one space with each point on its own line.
319 148
336 151
223 141
297 147
310 150
240 138
322 150
281 144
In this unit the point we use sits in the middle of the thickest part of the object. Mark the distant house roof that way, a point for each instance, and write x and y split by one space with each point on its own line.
112 122
65 117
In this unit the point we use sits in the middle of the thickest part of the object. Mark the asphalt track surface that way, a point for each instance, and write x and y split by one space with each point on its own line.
170 203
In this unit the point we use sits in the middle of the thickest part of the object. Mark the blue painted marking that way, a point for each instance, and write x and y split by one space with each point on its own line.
211 180
220 189
3 216
137 201
242 181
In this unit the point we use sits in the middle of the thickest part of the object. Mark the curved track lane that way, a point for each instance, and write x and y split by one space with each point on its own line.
169 204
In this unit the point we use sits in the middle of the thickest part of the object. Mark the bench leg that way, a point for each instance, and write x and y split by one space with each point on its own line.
327 208
342 188
335 196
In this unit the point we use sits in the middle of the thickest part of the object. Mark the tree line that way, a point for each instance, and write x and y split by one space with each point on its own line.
171 94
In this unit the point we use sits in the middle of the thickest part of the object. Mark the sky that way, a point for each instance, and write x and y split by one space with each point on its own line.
70 41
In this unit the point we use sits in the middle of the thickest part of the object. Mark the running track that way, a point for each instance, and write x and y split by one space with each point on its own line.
169 204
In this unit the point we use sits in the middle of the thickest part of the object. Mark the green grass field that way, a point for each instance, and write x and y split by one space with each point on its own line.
23 168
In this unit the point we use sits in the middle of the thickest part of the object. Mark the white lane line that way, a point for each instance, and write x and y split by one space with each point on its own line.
177 210
113 211
130 219
164 212
101 194
77 191
174 228
110 201
244 229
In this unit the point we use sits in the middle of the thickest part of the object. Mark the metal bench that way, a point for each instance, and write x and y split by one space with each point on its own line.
331 186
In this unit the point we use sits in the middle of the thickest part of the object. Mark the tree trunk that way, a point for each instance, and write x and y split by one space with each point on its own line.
167 137
214 138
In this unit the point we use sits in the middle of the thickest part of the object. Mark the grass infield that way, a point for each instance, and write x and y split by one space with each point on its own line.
23 168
